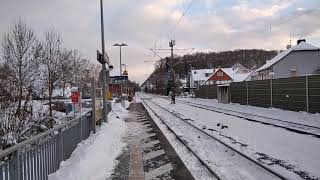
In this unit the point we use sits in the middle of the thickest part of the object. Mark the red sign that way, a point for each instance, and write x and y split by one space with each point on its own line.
75 97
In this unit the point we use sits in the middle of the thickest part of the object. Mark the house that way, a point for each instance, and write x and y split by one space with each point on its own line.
299 60
198 76
184 85
222 77
226 76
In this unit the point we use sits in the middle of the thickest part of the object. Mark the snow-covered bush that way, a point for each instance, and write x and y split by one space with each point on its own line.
32 120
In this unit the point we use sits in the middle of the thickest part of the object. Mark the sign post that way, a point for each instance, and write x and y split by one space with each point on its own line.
104 59
75 98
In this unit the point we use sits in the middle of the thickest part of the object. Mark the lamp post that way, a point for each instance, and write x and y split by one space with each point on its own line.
120 45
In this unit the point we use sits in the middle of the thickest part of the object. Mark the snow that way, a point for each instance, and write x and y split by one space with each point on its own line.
126 104
59 92
95 157
194 166
293 155
239 77
290 116
229 165
115 72
299 47
200 74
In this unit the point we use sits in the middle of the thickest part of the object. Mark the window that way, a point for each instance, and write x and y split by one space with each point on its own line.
219 73
207 74
293 72
194 72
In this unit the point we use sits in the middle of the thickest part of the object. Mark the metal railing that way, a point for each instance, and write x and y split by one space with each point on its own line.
39 156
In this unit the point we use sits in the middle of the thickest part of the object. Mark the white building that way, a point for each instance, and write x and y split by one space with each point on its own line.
198 76
299 60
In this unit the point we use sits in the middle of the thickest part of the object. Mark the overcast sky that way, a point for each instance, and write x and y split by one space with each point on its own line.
208 25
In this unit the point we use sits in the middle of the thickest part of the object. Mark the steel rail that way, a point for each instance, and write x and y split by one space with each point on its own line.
225 111
203 162
242 154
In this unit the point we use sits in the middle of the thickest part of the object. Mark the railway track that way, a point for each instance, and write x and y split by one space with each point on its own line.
214 154
291 126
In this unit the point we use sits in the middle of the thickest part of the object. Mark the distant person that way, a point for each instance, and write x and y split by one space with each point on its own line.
173 97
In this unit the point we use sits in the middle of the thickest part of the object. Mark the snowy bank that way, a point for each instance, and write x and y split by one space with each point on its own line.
95 157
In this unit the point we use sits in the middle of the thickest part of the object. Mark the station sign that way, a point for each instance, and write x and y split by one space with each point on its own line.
101 59
118 79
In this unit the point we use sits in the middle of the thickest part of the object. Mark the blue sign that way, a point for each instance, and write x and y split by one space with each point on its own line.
118 79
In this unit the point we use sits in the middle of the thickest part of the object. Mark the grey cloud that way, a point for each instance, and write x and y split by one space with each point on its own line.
128 21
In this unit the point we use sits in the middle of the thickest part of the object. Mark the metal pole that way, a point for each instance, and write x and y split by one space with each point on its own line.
104 112
93 106
247 92
121 81
271 93
121 100
120 62
307 92
172 71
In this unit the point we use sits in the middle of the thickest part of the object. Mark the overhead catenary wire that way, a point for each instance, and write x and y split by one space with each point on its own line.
297 16
283 22
185 10
180 19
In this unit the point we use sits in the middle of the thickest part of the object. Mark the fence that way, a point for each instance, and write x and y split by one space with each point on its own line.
207 92
37 157
296 93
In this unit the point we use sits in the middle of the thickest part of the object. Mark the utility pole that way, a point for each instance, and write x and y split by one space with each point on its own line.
172 74
104 70
170 67
171 44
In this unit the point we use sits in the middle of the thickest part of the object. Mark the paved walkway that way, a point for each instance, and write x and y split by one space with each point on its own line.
148 155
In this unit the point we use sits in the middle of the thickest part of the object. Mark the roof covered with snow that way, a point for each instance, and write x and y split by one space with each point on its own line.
233 73
115 72
183 81
200 74
302 46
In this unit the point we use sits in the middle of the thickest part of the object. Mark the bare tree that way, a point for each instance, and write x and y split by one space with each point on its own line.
94 71
80 66
66 70
21 51
53 58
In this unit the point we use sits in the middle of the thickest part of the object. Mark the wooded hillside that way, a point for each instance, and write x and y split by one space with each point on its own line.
250 58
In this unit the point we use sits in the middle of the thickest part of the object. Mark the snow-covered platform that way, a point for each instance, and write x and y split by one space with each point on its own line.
148 155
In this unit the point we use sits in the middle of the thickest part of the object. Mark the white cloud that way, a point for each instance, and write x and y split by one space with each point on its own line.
246 12
140 23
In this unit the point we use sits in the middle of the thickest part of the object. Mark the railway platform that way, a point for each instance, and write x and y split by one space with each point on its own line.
148 154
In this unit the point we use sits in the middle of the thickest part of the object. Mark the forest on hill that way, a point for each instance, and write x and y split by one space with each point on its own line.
249 58
182 65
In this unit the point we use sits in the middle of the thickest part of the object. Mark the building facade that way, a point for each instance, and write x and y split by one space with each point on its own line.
301 59
198 76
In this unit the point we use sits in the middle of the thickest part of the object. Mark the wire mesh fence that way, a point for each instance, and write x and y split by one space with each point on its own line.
37 157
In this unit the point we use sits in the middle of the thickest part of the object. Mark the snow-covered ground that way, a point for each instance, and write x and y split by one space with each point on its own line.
291 116
95 157
59 92
197 170
293 155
